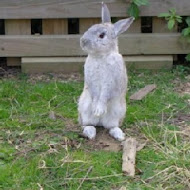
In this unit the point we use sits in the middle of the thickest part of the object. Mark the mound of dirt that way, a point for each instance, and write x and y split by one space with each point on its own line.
104 141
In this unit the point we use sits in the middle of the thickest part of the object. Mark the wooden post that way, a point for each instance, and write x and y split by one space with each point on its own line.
85 23
54 26
17 27
159 25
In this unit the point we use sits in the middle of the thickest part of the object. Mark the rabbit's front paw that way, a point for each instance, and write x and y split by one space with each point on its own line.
100 110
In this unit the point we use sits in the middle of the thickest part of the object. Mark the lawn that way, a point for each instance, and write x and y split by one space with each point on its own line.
41 147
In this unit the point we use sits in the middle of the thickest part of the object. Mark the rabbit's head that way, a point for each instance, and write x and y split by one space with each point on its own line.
102 38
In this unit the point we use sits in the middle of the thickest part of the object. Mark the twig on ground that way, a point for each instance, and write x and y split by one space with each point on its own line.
94 178
165 170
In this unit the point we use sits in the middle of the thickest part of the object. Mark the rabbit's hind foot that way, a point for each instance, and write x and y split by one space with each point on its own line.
117 133
89 132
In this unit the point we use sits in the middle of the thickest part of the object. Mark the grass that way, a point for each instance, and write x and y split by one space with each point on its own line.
38 152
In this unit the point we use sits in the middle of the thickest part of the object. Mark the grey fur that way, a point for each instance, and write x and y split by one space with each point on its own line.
103 100
105 14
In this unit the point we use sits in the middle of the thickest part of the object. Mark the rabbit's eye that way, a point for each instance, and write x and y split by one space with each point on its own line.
102 35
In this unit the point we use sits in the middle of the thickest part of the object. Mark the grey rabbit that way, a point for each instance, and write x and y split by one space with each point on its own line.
103 100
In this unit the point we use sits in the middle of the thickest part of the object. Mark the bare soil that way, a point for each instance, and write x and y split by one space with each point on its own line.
104 141
183 88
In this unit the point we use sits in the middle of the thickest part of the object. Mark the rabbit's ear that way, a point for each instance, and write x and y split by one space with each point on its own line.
105 13
122 25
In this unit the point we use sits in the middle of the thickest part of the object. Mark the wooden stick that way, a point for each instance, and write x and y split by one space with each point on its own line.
129 154
143 92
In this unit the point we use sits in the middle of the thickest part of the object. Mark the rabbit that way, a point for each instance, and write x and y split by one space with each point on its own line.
103 100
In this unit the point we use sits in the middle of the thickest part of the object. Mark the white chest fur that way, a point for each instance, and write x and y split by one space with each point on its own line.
105 73
95 74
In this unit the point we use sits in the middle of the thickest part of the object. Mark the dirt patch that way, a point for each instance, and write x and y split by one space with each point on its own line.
11 73
181 120
16 74
33 78
183 88
104 141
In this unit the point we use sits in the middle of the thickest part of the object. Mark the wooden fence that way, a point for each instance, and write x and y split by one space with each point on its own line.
54 47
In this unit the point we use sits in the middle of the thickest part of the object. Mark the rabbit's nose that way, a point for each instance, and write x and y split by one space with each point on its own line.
84 41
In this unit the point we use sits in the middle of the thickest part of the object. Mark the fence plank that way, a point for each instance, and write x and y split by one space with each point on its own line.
83 8
16 27
55 26
68 45
149 62
86 23
159 25
52 64
75 64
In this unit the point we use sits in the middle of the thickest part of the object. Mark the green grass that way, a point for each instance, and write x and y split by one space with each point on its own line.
38 152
